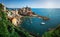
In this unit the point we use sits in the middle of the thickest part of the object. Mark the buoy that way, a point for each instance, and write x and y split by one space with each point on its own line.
42 22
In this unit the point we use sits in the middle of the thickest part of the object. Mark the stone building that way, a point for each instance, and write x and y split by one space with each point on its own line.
25 11
14 17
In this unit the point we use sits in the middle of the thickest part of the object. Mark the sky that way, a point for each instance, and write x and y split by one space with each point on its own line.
31 3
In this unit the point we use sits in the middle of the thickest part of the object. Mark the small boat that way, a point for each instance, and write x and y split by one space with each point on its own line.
43 23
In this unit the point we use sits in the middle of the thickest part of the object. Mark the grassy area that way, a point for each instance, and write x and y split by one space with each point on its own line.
7 29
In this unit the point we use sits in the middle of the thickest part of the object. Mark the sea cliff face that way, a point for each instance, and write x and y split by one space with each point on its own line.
11 20
7 29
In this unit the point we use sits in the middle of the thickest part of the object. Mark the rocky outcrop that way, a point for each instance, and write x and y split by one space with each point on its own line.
7 29
26 11
2 7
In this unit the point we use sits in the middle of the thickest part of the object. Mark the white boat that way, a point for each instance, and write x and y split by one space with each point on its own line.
43 23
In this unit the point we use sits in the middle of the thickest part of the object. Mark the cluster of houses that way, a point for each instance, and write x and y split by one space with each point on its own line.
26 11
15 15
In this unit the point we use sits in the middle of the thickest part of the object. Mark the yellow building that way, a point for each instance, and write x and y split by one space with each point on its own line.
16 21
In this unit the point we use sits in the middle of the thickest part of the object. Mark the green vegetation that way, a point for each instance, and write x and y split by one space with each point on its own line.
1 7
53 33
7 29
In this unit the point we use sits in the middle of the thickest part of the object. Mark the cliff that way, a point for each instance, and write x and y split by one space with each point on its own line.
9 21
53 33
26 11
7 29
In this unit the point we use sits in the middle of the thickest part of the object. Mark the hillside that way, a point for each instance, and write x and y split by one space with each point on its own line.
7 29
53 33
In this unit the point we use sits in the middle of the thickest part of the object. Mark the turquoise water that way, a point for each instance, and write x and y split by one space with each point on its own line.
36 27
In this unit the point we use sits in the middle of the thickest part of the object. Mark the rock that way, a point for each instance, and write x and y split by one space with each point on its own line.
45 18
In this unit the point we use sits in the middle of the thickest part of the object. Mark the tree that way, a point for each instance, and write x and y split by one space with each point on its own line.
7 29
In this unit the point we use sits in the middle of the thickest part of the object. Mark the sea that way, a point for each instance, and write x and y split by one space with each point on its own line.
38 26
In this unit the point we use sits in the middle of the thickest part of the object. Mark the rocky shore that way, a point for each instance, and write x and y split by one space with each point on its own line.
8 28
15 15
11 19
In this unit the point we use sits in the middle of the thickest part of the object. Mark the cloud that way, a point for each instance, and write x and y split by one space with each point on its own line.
32 3
48 4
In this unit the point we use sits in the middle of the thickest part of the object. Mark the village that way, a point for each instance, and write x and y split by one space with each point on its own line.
15 15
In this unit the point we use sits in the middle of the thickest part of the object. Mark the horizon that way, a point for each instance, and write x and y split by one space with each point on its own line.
31 3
